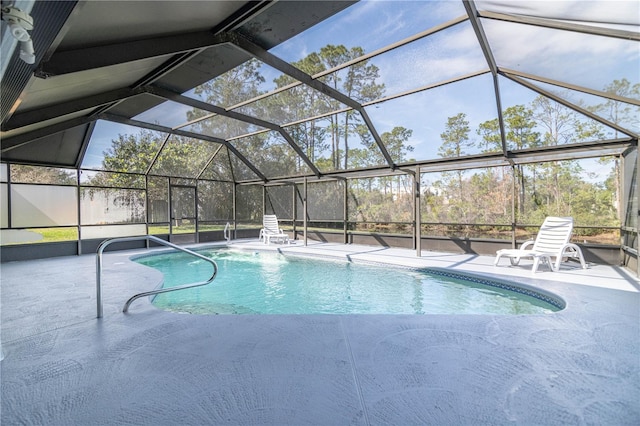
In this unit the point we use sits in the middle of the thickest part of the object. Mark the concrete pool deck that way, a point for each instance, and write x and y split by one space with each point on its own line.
62 366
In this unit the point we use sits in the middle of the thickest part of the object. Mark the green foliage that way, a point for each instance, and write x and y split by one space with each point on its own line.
132 152
234 86
331 140
542 189
623 114
455 138
46 175
455 141
383 200
479 196
395 142
249 204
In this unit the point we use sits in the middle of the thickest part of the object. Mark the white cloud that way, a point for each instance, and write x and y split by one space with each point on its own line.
447 54
625 12
567 56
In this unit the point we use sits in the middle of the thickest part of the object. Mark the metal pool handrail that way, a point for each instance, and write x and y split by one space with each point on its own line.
105 243
227 232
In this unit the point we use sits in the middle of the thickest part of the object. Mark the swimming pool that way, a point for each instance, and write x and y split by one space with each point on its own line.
271 283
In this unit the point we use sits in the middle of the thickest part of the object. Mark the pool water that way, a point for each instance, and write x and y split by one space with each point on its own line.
270 283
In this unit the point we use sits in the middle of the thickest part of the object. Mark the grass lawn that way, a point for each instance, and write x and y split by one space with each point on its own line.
56 234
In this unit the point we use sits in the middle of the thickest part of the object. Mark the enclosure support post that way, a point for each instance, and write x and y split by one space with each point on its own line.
295 209
234 212
197 216
623 204
79 210
514 196
417 230
637 196
345 211
170 210
9 201
147 201
304 210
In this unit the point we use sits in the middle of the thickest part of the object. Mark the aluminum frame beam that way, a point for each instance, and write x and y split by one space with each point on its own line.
157 154
84 59
470 7
9 143
427 87
85 144
607 95
164 129
561 25
51 19
396 45
497 159
58 110
570 105
208 163
185 100
257 52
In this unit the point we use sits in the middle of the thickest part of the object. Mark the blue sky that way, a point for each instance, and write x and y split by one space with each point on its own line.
580 59
571 57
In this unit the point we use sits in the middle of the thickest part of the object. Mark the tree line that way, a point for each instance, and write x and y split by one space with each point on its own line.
477 196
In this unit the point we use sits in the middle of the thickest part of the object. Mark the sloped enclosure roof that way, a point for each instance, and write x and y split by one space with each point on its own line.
268 90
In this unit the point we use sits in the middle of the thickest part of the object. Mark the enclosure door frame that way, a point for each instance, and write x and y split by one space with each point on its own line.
176 223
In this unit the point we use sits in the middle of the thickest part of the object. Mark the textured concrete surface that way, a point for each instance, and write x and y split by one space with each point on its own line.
63 366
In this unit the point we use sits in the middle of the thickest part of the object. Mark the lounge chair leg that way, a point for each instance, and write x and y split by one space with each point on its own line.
536 262
577 252
582 262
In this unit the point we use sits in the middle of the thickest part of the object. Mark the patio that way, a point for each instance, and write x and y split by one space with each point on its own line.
64 366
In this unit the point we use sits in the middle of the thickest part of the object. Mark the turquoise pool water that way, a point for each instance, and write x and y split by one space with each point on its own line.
270 283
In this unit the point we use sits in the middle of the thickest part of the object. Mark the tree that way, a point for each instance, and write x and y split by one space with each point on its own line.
114 185
455 141
616 112
619 113
359 84
395 143
557 121
180 157
358 81
489 132
48 175
131 153
231 88
559 125
331 56
236 85
300 102
519 125
455 138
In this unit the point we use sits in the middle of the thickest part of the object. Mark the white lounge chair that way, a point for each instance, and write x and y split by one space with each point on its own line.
271 230
552 241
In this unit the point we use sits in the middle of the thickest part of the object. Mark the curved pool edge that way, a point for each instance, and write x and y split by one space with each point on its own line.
526 289
533 291
529 290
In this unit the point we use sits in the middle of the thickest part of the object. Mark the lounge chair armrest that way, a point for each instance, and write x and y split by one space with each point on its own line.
571 246
527 244
571 250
